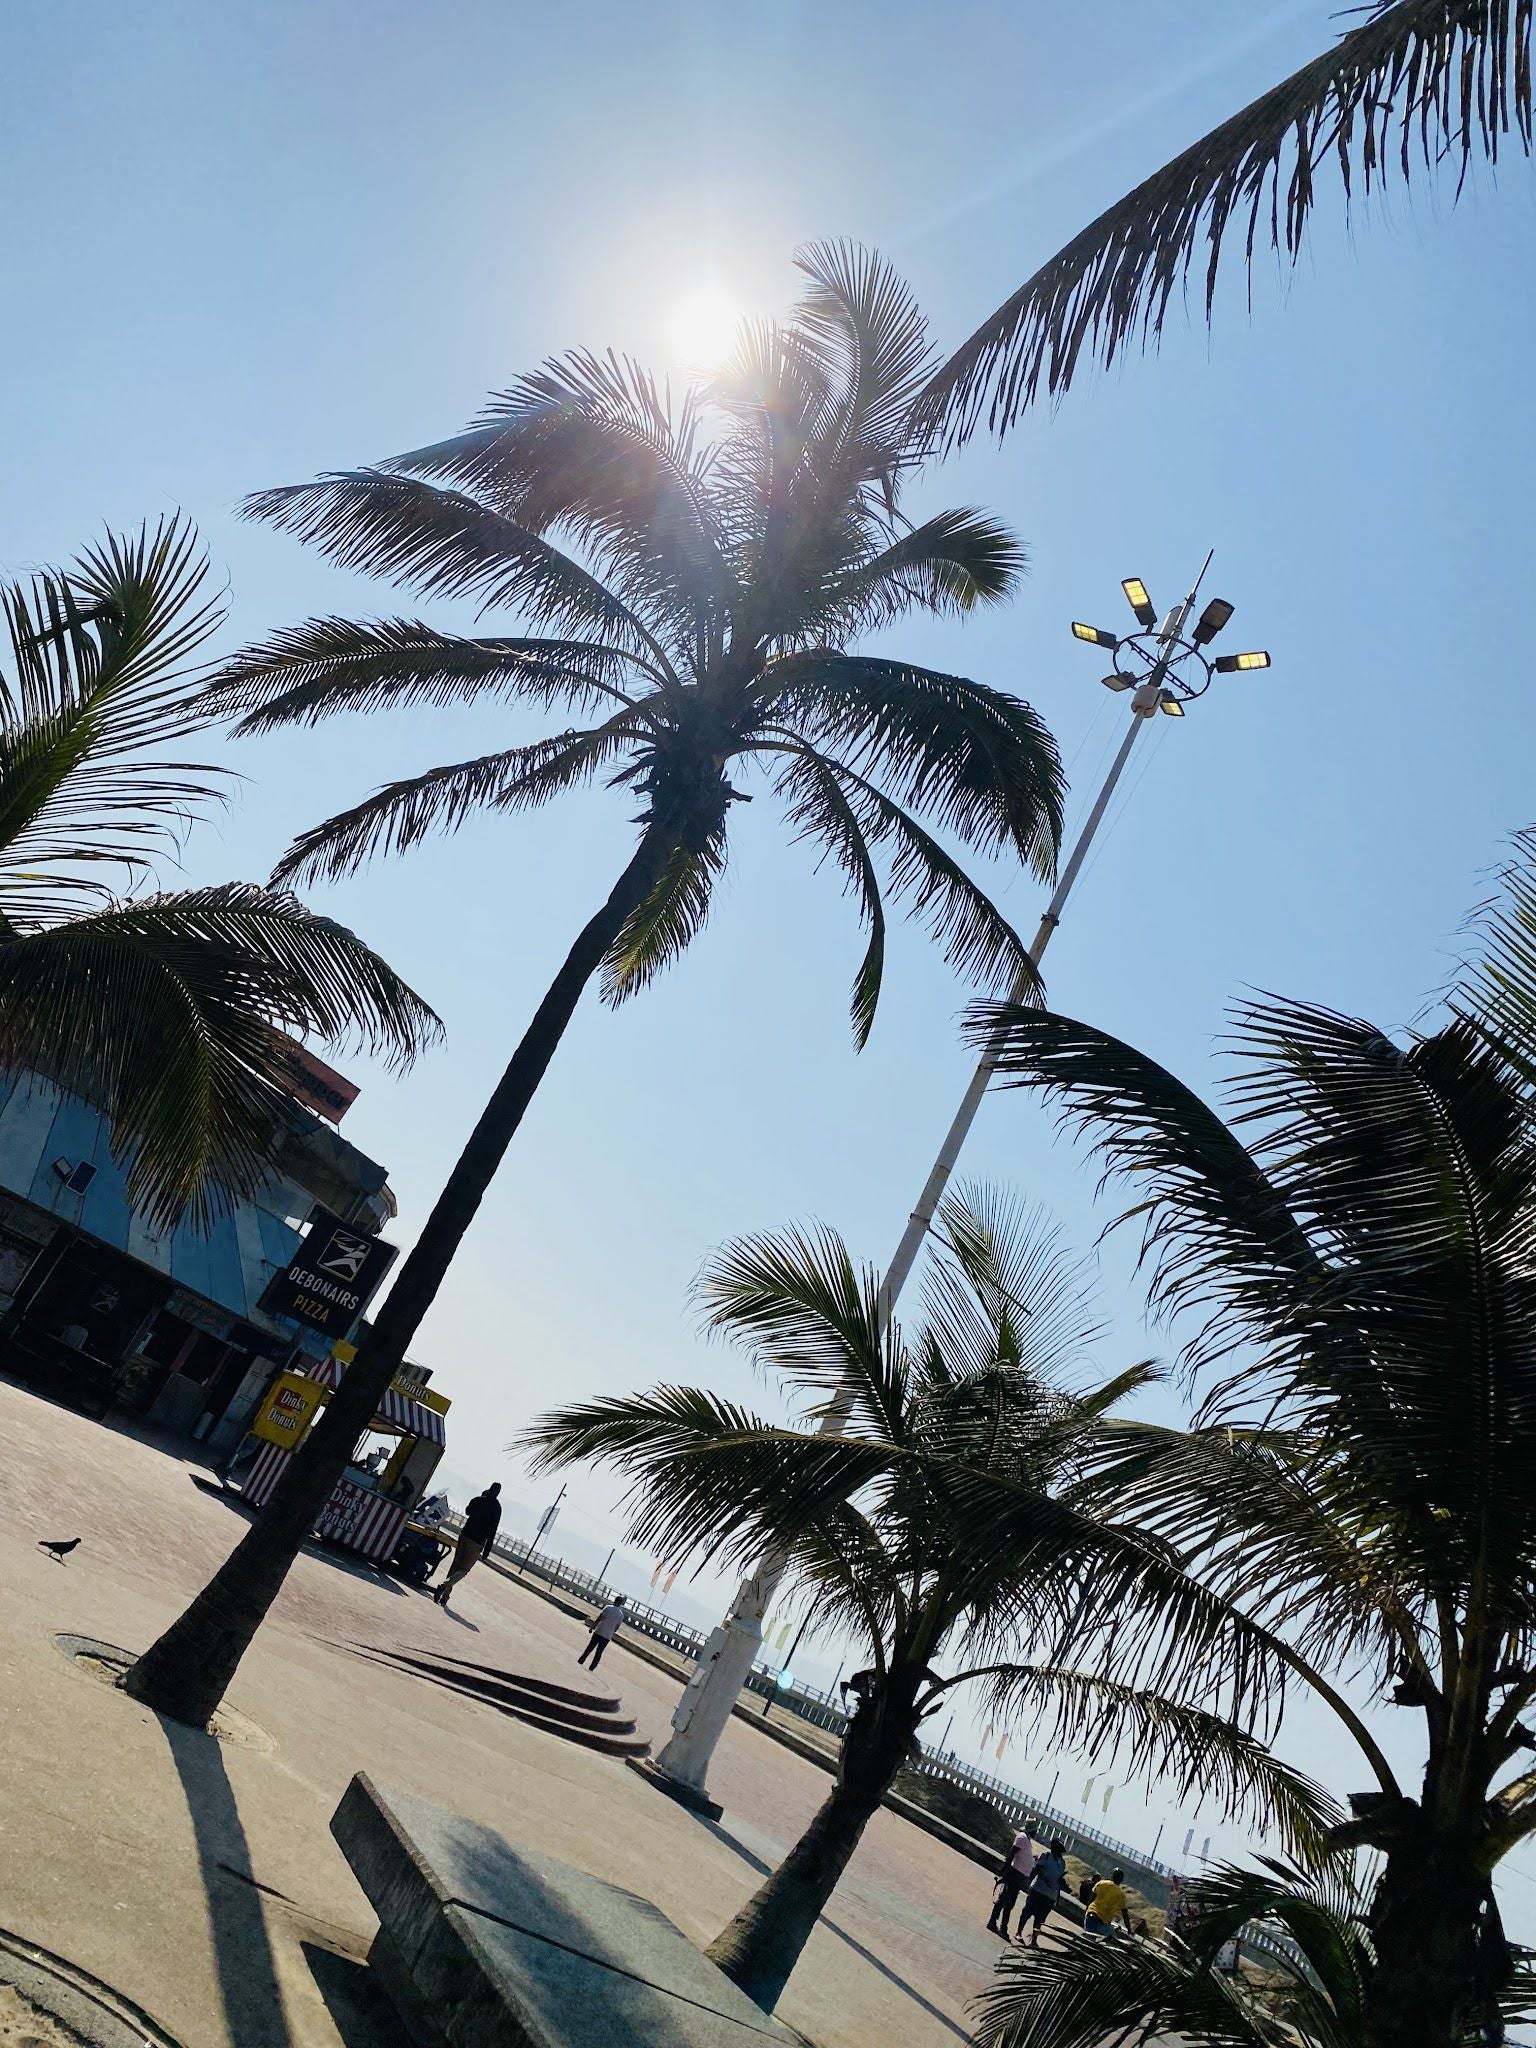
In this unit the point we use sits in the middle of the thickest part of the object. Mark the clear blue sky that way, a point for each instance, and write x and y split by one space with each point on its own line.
246 244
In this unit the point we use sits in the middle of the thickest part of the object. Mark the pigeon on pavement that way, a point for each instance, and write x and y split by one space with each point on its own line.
58 1551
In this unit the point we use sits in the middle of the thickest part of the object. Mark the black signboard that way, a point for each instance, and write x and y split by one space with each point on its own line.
331 1278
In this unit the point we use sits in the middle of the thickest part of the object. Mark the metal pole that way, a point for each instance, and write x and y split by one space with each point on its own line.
921 1218
549 1515
608 1560
726 1661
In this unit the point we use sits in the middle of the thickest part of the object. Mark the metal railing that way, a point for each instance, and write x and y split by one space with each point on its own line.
809 1703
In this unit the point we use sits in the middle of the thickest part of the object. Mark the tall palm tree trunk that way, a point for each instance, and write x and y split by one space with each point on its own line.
1425 1924
761 1946
186 1672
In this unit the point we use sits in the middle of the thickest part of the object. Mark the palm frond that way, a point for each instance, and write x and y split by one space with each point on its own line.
862 327
404 813
669 919
819 811
591 445
1085 1993
1217 1234
709 1480
1106 1721
326 666
1260 1509
971 932
978 762
1496 986
1001 1289
798 1303
103 668
446 544
163 1012
949 564
1419 83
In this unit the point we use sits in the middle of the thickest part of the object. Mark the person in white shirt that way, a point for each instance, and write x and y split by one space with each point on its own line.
1015 1874
604 1629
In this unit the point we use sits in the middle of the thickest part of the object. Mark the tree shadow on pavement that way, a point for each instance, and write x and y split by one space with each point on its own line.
865 1955
242 1946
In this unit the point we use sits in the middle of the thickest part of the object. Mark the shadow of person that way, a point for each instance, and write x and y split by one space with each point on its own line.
242 1946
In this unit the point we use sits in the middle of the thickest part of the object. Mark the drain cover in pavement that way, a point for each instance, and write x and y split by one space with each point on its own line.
46 2002
106 1662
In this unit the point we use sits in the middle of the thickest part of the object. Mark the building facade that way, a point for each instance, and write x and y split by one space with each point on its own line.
98 1309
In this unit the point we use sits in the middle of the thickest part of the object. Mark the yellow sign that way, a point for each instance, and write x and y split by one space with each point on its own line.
284 1417
413 1390
429 1397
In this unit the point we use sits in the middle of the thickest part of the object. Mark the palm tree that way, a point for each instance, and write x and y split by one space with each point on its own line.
1361 1482
702 621
944 1526
160 1008
1418 83
1079 1995
1084 1994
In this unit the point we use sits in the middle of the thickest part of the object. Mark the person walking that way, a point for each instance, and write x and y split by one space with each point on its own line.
604 1629
1110 1903
1018 1867
1045 1883
482 1518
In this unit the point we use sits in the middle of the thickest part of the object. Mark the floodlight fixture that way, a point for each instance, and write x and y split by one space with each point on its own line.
1095 635
1139 602
1119 682
1232 664
1211 621
1169 702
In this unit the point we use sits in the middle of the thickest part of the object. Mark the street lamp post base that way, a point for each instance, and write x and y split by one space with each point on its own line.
686 1795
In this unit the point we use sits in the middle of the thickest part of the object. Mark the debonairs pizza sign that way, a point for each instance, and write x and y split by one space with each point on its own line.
331 1278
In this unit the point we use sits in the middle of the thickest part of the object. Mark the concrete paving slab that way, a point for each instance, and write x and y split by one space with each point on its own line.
200 1878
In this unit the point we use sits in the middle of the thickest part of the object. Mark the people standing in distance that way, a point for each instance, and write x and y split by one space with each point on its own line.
1018 1868
604 1629
482 1518
1110 1903
1045 1883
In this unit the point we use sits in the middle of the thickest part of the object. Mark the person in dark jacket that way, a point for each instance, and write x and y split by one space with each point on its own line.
482 1518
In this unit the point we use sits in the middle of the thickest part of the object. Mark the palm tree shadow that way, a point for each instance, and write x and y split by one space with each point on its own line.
242 1946
866 1955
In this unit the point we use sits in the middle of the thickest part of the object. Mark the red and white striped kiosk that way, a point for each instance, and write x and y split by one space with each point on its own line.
368 1510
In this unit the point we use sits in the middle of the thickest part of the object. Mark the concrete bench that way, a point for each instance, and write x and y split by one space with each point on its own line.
485 1945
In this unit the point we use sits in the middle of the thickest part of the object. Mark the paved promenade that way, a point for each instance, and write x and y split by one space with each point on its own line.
199 1878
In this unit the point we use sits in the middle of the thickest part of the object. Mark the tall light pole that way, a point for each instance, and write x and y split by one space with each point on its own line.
1164 666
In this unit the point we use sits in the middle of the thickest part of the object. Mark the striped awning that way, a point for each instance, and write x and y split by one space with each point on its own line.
397 1409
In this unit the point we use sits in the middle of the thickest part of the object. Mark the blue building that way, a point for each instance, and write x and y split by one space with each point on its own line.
98 1307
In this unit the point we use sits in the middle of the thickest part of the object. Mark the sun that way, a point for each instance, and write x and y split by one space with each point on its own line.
703 326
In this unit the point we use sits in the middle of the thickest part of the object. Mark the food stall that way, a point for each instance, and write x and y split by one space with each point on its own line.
373 1502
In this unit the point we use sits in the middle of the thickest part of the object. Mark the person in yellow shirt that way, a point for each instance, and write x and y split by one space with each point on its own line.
1110 1903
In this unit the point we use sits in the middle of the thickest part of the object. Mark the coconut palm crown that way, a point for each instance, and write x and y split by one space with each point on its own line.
162 1008
1355 1251
692 572
690 578
943 1530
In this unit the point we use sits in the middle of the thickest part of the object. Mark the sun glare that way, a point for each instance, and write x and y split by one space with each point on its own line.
703 327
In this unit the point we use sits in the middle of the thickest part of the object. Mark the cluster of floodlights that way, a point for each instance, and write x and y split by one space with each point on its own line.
1180 668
